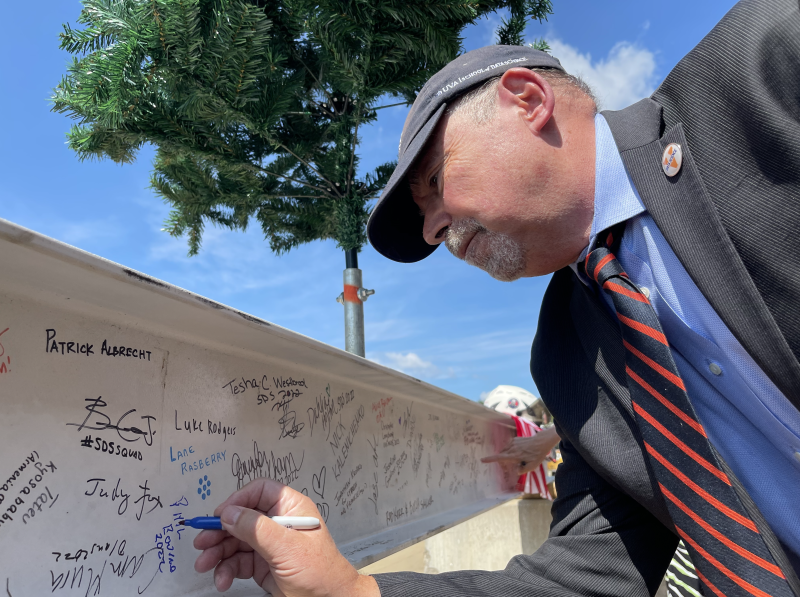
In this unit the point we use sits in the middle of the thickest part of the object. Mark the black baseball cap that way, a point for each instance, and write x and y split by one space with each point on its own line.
395 225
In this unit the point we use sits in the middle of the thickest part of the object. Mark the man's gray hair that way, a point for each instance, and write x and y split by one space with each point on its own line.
480 104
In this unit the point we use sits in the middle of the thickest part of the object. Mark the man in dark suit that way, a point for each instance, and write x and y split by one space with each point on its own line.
668 342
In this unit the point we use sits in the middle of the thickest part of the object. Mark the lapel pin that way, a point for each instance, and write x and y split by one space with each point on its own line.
671 159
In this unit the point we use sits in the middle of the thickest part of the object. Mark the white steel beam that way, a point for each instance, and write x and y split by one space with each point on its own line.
129 403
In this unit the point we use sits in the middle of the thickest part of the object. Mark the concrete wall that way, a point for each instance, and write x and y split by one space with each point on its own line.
485 542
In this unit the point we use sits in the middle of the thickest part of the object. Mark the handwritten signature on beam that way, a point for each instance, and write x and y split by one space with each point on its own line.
94 406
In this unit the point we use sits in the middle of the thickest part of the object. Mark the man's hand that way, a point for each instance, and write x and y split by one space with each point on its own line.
526 453
284 562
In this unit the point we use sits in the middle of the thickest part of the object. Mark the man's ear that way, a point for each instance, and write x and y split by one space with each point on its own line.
529 94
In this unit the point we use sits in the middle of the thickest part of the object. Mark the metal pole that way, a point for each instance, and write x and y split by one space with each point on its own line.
353 299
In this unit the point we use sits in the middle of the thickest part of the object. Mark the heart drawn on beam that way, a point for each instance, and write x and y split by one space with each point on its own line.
318 483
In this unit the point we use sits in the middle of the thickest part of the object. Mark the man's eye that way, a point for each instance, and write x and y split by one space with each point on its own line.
434 180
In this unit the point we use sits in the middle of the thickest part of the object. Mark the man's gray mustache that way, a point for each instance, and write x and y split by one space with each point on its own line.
459 231
502 257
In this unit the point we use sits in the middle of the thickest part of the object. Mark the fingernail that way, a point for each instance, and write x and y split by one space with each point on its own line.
231 514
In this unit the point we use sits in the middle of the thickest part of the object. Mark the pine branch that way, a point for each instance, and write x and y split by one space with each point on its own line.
511 32
321 87
294 180
255 106
353 154
330 184
540 44
390 106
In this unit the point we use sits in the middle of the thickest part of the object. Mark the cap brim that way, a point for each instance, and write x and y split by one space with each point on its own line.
395 225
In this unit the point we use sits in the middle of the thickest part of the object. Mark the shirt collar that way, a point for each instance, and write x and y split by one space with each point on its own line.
615 198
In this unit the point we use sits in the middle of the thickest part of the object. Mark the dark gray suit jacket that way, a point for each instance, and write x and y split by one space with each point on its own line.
732 216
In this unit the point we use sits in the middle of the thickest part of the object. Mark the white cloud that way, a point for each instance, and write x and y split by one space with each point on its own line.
477 348
623 77
231 261
92 233
412 364
493 22
391 329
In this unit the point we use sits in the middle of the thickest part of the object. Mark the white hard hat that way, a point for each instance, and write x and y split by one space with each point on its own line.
511 400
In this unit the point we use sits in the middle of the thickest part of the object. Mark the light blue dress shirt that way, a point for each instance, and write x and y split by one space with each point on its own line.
748 420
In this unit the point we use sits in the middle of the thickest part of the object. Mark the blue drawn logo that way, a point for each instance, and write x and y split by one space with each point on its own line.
204 489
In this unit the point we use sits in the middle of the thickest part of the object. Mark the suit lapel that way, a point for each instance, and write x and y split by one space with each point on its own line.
688 220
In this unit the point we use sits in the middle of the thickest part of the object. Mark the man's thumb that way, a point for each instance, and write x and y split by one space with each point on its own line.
252 527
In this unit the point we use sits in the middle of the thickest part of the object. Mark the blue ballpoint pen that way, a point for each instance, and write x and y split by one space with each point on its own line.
290 522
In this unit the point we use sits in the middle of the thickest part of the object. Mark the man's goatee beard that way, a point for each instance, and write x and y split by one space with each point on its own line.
503 257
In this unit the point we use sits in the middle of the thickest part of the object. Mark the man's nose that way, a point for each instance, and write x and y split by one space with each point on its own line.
434 230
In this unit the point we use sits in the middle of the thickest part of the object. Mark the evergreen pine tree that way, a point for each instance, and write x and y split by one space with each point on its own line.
255 106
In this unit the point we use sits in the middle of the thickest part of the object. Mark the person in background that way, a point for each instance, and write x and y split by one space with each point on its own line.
526 454
534 433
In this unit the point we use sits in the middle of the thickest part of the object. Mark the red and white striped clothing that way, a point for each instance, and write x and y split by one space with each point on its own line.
534 481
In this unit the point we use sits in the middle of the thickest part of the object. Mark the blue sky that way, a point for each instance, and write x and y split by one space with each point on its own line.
439 320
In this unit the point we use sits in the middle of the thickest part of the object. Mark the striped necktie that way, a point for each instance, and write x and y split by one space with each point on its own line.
731 555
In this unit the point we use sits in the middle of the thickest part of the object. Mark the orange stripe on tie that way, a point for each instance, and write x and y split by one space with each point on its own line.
601 265
655 366
637 296
718 565
758 561
674 409
708 583
351 294
683 447
745 522
645 329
